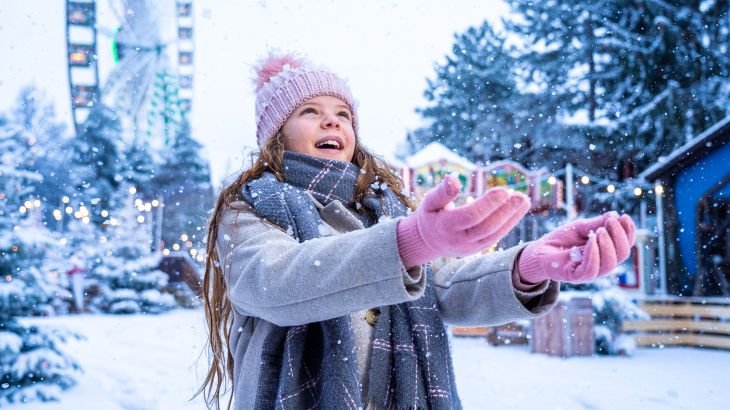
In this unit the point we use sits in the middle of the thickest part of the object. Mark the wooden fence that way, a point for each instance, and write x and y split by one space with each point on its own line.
697 322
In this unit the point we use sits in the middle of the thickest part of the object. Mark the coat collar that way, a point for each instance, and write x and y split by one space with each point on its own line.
337 216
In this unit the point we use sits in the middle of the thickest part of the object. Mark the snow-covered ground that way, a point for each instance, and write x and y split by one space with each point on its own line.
139 362
155 362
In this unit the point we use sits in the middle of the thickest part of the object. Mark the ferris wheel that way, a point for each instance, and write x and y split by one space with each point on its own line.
135 56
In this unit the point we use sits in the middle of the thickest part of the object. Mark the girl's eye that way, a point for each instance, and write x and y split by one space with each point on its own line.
344 114
309 110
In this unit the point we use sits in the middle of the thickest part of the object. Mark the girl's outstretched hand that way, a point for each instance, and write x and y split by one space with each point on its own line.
579 251
438 229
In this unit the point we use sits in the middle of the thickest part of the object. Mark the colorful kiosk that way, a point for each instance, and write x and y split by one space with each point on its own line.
424 169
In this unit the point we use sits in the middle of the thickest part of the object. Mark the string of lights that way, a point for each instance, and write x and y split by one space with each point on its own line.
83 213
636 186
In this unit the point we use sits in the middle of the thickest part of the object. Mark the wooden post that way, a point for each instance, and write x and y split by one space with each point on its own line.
566 331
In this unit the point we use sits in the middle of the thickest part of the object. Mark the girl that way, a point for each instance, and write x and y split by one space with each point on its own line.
318 286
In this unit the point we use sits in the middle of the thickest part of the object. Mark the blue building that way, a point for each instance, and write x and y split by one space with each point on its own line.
696 182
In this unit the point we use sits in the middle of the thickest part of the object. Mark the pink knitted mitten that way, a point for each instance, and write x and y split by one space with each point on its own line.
579 251
438 229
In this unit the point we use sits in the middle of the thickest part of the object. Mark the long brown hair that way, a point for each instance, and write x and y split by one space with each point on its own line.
216 303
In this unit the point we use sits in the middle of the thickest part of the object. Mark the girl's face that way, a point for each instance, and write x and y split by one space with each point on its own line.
321 127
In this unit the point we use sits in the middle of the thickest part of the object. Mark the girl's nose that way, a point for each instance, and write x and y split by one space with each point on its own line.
330 121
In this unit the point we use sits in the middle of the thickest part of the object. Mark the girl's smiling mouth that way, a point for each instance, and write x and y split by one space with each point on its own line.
330 143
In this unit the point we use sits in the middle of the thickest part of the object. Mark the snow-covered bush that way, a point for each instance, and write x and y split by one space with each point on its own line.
123 301
27 288
124 307
154 301
32 366
130 301
126 280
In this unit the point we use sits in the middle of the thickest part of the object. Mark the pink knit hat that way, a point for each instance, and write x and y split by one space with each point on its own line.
283 83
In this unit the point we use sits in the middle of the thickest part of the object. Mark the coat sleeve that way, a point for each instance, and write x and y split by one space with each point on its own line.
478 291
272 276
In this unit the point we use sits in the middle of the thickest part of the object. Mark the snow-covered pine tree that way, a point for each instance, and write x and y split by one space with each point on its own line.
97 161
635 78
483 107
122 275
24 239
185 181
611 84
139 170
32 365
35 115
472 98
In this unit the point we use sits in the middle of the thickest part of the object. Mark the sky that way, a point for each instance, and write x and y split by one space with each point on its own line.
386 51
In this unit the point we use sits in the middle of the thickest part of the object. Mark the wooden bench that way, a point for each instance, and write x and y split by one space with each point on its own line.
514 333
696 322
469 331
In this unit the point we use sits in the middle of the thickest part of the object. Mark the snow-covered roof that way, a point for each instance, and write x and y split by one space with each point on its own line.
435 152
696 145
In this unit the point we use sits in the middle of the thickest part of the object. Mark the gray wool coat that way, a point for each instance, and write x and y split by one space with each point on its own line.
274 280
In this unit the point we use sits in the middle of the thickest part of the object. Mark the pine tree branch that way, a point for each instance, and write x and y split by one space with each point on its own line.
646 108
623 45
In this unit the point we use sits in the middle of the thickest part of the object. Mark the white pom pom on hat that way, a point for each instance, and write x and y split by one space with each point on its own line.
283 82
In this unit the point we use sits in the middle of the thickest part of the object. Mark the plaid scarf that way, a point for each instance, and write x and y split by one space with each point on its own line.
410 360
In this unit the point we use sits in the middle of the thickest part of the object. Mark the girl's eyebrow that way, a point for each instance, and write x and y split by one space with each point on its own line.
319 105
